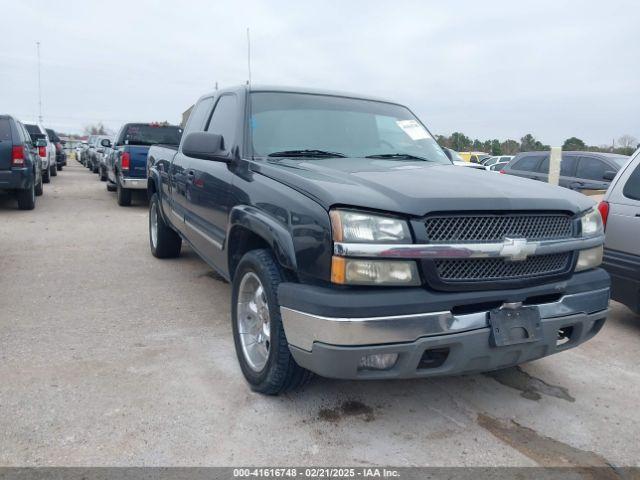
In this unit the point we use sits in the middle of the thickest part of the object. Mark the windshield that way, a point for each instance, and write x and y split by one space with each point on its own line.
149 134
289 122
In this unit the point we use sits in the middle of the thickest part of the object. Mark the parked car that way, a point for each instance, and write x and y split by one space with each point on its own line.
61 155
477 166
620 211
80 148
496 167
578 170
20 162
85 152
473 157
104 152
352 250
48 154
487 162
127 165
96 154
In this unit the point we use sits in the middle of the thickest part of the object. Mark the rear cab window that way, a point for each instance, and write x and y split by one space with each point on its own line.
34 132
150 134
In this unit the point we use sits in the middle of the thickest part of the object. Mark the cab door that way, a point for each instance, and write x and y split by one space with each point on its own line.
208 185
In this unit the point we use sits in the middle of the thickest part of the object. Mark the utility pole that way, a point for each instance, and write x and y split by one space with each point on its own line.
39 86
249 56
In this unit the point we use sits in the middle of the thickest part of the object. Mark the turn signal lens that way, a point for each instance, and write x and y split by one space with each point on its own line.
351 271
590 258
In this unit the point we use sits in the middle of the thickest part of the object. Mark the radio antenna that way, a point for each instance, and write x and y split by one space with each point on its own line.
249 56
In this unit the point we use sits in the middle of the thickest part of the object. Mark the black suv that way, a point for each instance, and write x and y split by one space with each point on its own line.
61 155
578 170
20 164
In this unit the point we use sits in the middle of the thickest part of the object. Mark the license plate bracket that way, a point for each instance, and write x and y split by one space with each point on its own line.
512 326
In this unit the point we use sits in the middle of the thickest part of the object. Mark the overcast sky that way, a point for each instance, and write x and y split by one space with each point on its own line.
486 68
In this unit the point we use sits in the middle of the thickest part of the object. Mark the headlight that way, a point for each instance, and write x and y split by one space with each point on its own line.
590 258
357 227
591 223
352 271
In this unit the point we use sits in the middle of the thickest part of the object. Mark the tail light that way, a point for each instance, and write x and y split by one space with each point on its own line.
17 156
125 161
502 172
42 151
603 208
58 147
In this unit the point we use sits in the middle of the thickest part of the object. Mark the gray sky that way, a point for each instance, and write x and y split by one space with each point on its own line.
486 68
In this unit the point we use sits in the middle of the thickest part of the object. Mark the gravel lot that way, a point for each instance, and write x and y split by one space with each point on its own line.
112 357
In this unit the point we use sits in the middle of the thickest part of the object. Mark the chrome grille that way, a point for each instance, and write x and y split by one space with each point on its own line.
488 269
494 228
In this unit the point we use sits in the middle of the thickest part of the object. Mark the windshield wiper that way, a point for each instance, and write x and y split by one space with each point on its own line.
401 156
307 153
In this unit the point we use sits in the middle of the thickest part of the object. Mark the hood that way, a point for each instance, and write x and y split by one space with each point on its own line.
416 187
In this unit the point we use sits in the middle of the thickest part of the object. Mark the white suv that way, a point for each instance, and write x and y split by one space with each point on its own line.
47 154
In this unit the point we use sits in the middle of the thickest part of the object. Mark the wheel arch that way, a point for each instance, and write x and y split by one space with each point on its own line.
250 229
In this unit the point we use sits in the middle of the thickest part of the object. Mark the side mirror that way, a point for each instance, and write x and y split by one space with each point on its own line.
106 143
609 175
41 142
100 150
205 145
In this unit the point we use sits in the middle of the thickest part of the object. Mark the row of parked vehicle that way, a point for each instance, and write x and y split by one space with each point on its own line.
30 154
121 161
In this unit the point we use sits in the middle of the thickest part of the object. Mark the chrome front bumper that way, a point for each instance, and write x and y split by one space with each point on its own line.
133 183
304 329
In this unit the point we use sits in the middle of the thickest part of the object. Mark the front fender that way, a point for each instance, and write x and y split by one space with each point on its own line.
272 231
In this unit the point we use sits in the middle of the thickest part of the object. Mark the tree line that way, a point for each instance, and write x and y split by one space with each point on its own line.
625 145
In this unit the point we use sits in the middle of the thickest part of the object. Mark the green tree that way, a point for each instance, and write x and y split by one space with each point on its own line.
573 143
509 147
529 143
459 142
496 148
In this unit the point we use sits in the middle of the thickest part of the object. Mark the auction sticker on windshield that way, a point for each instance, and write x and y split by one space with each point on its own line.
413 129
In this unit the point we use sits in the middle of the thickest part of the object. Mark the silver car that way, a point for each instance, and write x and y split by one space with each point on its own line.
620 210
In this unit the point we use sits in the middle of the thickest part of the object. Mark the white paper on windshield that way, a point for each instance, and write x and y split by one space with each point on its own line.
413 129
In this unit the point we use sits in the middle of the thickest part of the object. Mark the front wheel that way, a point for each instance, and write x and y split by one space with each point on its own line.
46 178
53 170
258 334
103 175
163 240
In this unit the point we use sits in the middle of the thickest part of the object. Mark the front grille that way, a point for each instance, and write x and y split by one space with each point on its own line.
494 228
490 269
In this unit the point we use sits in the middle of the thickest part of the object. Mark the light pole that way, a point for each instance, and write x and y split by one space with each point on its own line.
39 86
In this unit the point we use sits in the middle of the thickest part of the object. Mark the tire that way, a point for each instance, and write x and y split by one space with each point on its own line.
167 243
39 189
280 372
95 168
103 175
111 187
46 178
59 167
27 198
124 195
53 170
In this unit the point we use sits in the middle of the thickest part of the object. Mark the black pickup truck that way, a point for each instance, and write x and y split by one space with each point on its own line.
357 250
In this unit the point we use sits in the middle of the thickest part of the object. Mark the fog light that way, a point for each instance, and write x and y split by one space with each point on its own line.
381 361
589 258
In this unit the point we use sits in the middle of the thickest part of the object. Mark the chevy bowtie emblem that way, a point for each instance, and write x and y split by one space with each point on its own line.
517 249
